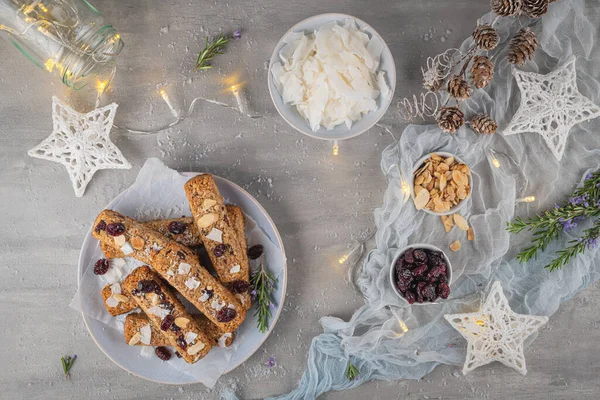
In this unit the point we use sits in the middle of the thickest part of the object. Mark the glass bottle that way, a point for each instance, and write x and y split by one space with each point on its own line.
68 38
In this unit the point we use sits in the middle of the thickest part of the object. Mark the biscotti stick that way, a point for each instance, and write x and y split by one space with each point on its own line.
183 231
167 313
126 304
222 241
176 263
135 321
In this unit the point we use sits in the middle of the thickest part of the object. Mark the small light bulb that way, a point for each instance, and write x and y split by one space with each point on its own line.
43 7
496 163
403 325
336 148
49 65
101 86
528 199
343 259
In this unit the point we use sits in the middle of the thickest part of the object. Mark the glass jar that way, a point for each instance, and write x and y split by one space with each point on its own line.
68 38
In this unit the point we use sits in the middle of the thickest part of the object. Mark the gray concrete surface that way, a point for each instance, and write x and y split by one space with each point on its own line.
320 203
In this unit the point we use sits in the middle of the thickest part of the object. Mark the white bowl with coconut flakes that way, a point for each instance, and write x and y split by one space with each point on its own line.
332 76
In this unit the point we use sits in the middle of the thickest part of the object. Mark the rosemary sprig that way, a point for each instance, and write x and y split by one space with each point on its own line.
352 371
262 283
548 225
587 241
67 363
212 48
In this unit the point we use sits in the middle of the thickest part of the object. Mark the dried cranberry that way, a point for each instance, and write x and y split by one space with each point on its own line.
405 274
226 314
443 290
220 250
419 270
255 251
403 285
210 293
410 297
167 322
181 255
101 226
177 354
175 328
409 256
101 266
148 286
435 272
226 219
420 255
429 292
177 227
181 342
240 287
115 229
163 353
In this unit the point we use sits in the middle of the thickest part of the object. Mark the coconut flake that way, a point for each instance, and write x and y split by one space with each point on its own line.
231 306
205 296
115 288
217 305
147 351
118 262
127 249
235 269
145 334
190 337
215 235
158 311
184 269
119 240
113 275
170 272
112 302
192 283
223 339
157 247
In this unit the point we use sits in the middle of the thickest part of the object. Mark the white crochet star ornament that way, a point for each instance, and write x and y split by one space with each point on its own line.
81 142
495 332
551 105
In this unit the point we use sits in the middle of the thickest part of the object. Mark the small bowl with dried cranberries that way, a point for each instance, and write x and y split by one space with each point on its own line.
421 274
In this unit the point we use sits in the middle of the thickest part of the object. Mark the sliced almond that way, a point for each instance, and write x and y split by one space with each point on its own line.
421 199
449 161
448 222
195 348
181 322
121 298
443 182
154 298
135 339
137 243
120 240
470 234
208 203
455 246
461 222
207 220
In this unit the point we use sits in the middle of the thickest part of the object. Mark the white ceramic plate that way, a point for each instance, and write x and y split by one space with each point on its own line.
290 113
111 341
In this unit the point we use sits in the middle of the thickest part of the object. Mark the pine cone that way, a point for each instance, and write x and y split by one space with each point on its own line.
433 79
459 88
450 119
484 125
535 8
506 8
486 37
522 46
482 71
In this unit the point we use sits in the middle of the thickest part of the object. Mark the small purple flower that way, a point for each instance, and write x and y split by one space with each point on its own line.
237 34
588 176
568 224
271 306
591 243
271 362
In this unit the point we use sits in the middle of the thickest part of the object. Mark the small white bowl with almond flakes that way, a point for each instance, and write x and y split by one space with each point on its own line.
440 172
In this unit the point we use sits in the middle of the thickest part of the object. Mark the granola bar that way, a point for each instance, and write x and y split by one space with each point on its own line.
117 303
166 312
177 264
136 321
223 242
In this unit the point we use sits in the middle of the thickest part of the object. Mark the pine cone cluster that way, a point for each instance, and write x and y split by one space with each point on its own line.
459 88
486 37
450 119
484 125
482 71
506 8
535 8
522 46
